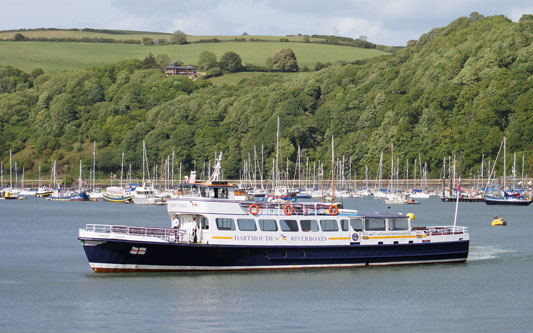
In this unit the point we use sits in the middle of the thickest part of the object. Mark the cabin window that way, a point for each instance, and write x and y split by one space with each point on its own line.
204 192
356 224
268 225
225 224
344 225
204 223
215 191
246 225
309 225
329 225
398 224
288 225
374 224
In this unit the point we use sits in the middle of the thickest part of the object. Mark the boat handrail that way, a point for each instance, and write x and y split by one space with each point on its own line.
444 230
301 208
166 234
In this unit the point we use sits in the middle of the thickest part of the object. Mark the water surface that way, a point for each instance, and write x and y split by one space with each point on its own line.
46 283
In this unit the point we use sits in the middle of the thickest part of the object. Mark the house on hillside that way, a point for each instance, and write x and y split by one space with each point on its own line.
176 68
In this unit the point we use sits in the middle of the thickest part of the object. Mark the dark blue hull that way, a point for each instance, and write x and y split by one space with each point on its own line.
507 202
128 256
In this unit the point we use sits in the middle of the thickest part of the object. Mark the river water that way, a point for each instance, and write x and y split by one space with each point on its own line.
46 283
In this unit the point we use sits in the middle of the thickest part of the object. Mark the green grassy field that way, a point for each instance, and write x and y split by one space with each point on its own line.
57 56
234 78
137 35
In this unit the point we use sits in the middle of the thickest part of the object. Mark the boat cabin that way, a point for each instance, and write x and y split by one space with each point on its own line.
295 229
212 190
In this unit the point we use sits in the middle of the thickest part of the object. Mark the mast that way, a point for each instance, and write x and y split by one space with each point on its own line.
391 174
121 169
94 164
277 157
10 169
79 181
504 163
332 170
172 182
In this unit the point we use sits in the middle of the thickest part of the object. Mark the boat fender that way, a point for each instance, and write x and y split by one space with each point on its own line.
333 210
254 209
288 210
411 216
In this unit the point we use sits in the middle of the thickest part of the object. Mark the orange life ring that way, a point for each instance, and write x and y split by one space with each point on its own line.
288 210
333 210
254 209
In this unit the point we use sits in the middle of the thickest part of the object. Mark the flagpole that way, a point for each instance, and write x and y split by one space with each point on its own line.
457 203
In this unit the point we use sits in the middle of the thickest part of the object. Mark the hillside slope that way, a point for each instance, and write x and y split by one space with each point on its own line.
457 89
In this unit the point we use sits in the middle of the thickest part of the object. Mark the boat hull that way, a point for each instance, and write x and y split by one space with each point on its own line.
507 202
107 255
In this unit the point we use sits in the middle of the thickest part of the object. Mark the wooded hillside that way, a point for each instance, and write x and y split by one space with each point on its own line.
460 88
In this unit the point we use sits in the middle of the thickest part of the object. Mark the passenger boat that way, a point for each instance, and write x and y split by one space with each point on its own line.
214 231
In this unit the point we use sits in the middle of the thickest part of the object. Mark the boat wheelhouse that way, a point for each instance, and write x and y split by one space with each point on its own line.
214 231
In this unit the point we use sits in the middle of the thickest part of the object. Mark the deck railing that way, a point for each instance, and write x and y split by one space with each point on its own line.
445 230
303 208
165 234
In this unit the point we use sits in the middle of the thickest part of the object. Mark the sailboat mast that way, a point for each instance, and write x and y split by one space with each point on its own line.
504 163
121 169
277 157
94 164
10 169
332 170
79 181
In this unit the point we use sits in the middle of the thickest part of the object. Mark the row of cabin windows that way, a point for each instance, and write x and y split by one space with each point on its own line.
311 225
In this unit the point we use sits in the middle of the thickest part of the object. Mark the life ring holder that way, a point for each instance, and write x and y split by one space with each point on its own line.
288 210
333 210
254 209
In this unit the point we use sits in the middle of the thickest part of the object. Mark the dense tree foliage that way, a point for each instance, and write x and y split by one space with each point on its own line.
285 60
459 88
206 61
179 37
231 62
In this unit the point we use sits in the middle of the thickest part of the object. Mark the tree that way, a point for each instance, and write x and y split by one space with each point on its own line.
149 61
206 61
36 72
285 60
162 60
179 37
19 37
231 62
148 41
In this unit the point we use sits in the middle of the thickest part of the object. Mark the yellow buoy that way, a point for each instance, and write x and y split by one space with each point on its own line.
498 222
410 215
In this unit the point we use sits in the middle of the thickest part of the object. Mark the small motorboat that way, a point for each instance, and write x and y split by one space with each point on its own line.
498 221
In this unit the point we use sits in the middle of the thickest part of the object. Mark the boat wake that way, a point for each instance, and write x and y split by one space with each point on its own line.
487 252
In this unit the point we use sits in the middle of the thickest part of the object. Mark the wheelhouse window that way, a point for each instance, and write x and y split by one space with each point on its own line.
329 225
268 225
246 225
398 224
309 225
357 224
225 224
288 225
374 224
